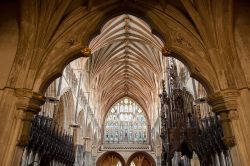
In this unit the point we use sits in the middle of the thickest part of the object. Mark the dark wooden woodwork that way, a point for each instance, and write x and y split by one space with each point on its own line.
50 142
182 130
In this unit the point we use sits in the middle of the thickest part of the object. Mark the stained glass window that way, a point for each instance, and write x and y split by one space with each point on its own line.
126 123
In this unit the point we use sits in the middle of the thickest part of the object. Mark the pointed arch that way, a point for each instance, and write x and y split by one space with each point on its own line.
166 25
65 113
126 122
105 156
143 158
82 129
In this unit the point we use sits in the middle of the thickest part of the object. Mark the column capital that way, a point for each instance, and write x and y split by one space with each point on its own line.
29 100
225 100
224 103
29 103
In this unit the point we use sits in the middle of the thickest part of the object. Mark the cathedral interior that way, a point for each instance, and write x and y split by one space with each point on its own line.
124 83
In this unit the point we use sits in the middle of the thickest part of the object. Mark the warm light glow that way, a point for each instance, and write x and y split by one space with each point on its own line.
132 163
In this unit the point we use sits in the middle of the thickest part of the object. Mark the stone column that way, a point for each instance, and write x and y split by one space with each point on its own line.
224 104
149 136
76 129
27 104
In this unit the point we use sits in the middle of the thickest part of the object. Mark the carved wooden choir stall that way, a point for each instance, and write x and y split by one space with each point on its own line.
48 145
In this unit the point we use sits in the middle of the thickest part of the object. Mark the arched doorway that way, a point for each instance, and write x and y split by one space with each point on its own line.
110 159
141 159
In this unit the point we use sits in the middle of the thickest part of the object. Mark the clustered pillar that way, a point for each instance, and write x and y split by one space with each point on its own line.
28 104
224 104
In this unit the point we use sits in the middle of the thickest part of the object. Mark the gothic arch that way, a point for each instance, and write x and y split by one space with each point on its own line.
65 113
110 153
194 53
117 101
145 155
82 128
126 10
196 71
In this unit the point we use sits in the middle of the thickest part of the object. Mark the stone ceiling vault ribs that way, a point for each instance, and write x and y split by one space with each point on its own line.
126 61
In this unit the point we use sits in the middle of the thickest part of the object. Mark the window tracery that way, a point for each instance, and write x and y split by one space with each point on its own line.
126 123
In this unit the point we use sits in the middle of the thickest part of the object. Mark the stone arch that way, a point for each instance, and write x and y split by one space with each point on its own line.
65 113
127 10
110 153
64 90
195 71
81 130
145 114
56 73
121 98
206 75
149 160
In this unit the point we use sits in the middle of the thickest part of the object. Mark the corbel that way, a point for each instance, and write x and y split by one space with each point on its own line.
224 104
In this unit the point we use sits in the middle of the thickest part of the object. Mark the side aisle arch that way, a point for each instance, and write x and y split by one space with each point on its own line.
64 116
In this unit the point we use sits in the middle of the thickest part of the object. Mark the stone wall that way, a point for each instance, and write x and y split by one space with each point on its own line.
8 38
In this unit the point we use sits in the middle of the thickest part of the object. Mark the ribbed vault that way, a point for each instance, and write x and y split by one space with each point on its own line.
126 61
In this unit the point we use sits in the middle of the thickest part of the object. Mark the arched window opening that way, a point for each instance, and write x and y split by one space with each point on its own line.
132 163
141 159
126 123
119 163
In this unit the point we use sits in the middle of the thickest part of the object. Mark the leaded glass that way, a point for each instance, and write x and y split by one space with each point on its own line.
126 123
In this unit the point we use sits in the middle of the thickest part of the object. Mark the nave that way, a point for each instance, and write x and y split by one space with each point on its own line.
127 98
124 83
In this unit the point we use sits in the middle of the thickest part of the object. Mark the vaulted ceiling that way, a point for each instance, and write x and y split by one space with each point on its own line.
126 61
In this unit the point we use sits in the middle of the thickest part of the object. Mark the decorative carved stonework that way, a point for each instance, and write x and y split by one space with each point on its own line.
28 100
229 141
184 130
74 39
166 51
224 100
72 42
178 39
224 103
86 51
29 103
